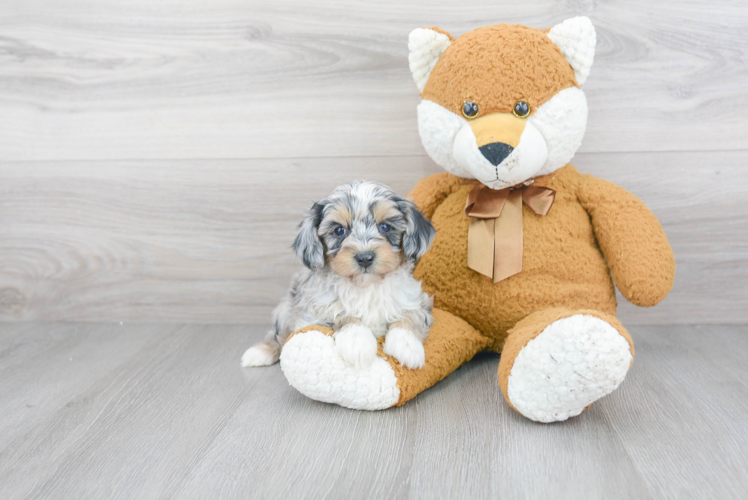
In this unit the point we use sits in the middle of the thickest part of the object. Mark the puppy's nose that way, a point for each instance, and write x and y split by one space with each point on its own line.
365 259
496 152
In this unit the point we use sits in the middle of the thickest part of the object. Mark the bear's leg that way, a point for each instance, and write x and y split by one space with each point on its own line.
312 365
557 362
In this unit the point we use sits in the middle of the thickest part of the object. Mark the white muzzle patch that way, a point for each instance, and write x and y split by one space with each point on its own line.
522 163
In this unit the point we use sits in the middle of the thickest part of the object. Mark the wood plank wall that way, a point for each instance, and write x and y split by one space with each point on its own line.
156 156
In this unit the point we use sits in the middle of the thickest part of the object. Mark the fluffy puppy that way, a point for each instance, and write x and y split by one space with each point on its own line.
360 246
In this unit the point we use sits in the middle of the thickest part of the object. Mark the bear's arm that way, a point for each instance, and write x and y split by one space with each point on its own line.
632 240
431 191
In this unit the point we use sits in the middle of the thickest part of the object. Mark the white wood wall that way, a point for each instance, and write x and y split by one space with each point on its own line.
156 156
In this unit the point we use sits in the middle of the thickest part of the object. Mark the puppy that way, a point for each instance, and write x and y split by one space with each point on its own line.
360 246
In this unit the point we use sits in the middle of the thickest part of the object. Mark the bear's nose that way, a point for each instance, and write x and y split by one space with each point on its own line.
496 152
365 259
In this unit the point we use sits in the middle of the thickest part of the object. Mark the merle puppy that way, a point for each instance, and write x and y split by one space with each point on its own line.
360 246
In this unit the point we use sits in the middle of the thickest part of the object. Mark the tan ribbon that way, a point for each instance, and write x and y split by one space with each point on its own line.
495 235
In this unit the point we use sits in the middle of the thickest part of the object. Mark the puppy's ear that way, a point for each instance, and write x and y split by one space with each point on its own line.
419 232
307 245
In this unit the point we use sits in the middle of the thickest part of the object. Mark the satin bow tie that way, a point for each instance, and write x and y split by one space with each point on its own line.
495 235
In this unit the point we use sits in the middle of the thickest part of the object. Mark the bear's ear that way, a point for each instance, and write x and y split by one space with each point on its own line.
576 38
426 46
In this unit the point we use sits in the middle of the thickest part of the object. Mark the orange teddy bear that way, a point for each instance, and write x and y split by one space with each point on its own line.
527 249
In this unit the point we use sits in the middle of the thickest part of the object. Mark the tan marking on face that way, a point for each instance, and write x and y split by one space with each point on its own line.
497 66
498 127
386 259
340 214
344 263
384 209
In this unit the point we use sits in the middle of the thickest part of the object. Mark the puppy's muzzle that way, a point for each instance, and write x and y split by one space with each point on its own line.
365 259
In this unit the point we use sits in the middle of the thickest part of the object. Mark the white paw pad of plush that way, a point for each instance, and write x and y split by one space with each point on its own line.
405 347
312 366
258 355
356 344
572 363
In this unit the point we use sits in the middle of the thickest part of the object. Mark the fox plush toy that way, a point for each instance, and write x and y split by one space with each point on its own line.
527 249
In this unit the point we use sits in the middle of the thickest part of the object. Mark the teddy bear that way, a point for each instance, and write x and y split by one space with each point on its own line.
528 251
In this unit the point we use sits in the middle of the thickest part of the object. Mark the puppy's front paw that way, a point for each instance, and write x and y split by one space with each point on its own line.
405 347
356 345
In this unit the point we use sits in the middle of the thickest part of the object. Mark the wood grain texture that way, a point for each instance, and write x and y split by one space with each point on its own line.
174 416
155 157
68 358
140 241
209 241
253 79
666 435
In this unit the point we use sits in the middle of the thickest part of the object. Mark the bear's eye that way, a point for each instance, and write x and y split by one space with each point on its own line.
340 231
384 227
469 109
521 109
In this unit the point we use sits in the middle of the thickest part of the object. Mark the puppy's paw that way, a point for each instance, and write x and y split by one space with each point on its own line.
405 347
356 345
261 354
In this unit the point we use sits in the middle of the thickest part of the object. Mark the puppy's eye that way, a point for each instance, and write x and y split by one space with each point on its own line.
469 109
521 109
384 227
340 231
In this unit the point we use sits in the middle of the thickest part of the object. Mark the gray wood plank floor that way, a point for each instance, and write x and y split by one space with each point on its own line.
164 411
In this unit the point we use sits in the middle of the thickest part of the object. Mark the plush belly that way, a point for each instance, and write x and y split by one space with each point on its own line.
562 266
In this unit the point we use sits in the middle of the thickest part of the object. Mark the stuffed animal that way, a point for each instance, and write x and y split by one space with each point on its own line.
527 249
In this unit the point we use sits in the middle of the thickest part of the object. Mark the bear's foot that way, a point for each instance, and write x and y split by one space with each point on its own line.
312 363
555 370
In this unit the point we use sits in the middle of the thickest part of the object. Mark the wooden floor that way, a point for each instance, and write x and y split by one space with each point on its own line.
165 411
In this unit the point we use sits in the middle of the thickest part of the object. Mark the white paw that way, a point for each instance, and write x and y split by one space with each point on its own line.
312 366
572 363
405 347
260 354
356 344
